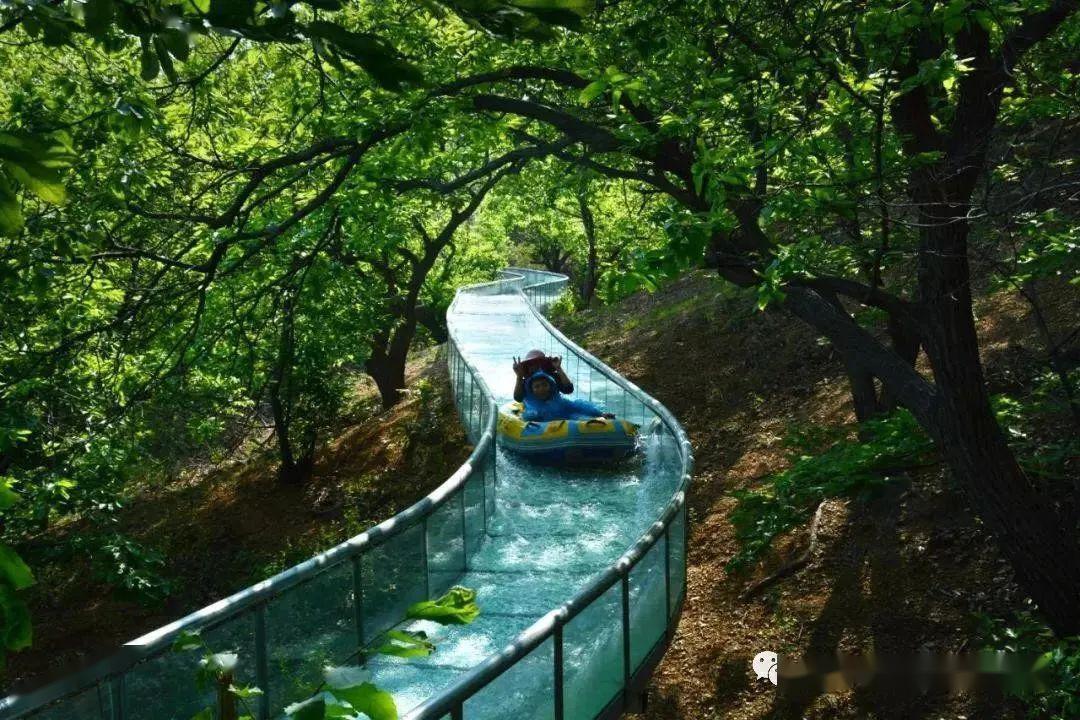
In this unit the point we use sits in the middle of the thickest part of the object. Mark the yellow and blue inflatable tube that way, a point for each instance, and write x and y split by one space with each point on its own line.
566 441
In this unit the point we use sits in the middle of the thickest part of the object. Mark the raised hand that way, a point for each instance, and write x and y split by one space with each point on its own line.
519 367
556 362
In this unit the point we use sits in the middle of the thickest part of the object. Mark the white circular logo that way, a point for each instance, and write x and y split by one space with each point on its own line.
765 663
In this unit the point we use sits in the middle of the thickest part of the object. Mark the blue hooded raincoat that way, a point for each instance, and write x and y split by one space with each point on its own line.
556 407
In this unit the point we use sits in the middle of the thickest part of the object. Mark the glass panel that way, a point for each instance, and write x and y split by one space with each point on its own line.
475 515
646 417
524 692
593 656
92 704
475 399
677 536
164 687
489 480
236 635
446 556
393 579
310 625
468 395
600 393
648 604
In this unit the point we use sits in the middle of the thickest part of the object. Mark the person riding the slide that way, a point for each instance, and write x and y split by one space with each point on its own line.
536 360
544 402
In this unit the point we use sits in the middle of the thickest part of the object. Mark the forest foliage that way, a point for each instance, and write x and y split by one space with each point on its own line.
216 213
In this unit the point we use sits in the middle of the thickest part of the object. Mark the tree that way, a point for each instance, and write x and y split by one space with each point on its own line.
404 273
835 159
943 111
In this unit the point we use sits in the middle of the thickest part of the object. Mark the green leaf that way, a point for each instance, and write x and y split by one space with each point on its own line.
370 700
98 16
566 13
15 627
187 640
8 497
149 67
13 569
231 13
220 664
11 217
164 59
371 52
245 691
36 161
314 709
40 180
406 644
204 714
178 44
592 91
457 607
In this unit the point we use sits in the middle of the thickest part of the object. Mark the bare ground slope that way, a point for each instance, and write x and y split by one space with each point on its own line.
902 571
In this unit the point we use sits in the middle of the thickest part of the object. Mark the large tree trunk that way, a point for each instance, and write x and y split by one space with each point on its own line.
906 344
287 470
387 362
389 376
1043 550
291 471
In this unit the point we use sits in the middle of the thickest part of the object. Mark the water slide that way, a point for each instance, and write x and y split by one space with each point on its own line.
580 573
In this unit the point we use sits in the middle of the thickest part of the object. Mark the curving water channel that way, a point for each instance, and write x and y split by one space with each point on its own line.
579 572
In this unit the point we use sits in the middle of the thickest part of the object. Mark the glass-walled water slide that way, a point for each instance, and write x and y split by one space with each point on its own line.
580 573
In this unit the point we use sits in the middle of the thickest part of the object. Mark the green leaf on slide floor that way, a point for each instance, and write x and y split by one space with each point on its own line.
405 644
313 709
367 698
457 607
13 569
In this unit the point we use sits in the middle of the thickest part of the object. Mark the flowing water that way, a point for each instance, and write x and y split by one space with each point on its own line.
551 529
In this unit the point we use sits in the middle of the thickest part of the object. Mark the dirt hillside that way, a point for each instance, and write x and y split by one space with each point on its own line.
902 571
223 528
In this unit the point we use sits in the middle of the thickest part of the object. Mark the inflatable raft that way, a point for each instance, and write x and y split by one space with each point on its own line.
566 441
